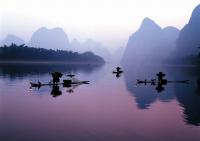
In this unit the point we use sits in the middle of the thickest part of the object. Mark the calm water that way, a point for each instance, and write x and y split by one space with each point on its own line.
108 109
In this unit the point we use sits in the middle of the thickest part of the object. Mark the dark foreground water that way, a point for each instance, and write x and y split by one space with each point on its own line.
108 109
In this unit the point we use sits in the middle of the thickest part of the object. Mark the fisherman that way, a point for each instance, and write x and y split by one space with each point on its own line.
118 69
145 82
56 77
39 83
160 76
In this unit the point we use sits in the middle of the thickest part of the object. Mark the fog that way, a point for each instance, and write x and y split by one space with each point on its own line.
108 21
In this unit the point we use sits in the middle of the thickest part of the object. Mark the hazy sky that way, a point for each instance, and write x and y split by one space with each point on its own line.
108 21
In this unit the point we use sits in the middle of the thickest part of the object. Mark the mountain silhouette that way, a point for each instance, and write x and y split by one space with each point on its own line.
91 46
171 34
170 37
144 45
188 41
75 45
54 38
12 39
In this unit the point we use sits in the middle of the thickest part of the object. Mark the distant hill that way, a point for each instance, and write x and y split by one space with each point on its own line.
25 53
12 39
91 45
75 45
54 38
150 43
189 39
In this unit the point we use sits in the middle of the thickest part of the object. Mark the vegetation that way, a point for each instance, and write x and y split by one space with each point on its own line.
25 53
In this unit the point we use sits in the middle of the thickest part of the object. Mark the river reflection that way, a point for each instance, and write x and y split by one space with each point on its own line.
187 95
107 109
13 70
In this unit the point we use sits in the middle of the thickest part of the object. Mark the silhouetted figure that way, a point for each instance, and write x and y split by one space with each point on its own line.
39 83
118 69
56 91
160 76
159 83
56 77
118 72
145 82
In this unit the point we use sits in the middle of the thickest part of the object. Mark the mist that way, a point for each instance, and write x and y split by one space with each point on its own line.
107 21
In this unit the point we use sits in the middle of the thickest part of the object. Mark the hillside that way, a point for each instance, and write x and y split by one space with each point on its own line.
25 53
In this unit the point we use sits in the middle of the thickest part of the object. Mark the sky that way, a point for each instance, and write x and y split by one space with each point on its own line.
110 22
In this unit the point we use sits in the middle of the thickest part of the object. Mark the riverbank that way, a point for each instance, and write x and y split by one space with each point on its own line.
49 62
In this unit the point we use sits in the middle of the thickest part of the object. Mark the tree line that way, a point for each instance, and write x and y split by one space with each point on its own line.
24 53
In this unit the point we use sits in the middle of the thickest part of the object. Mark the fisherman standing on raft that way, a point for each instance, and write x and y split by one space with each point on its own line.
161 79
56 77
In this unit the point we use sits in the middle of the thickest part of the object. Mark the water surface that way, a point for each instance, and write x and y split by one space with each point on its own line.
108 109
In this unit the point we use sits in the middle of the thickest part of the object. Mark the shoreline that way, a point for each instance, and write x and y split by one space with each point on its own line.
167 65
50 62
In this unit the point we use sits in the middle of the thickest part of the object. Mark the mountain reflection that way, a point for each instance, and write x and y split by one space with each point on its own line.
187 95
145 95
22 70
